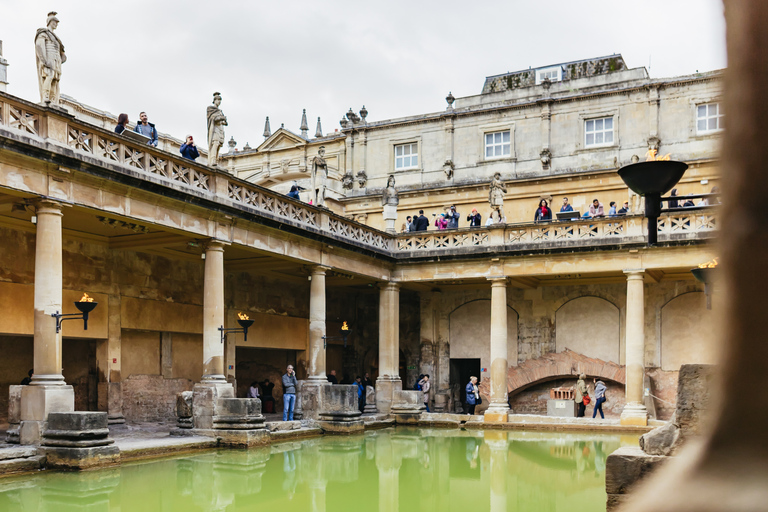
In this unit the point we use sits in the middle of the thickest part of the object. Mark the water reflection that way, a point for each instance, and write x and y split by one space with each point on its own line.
389 471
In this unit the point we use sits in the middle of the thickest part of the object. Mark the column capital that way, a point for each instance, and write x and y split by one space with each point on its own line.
634 273
389 285
498 280
48 206
214 244
319 270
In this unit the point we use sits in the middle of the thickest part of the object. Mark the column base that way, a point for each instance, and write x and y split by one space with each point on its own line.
308 399
634 414
205 395
496 413
36 403
385 390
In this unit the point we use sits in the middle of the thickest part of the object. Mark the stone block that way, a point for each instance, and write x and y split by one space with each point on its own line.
385 388
370 400
12 435
628 465
238 414
77 421
204 400
308 399
184 402
37 402
441 402
662 440
561 408
407 406
14 404
694 384
339 413
81 458
78 440
282 426
346 426
236 438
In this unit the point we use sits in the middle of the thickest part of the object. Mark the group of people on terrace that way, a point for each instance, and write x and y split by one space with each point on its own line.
144 127
447 220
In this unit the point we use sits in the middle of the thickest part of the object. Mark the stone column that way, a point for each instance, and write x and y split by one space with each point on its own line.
389 346
213 313
498 408
634 412
48 392
317 326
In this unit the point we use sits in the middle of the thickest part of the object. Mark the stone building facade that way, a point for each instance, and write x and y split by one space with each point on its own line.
172 250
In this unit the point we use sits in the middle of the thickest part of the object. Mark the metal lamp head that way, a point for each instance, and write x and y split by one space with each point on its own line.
86 307
245 324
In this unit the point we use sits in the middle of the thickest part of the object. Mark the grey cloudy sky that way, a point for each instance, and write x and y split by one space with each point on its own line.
274 58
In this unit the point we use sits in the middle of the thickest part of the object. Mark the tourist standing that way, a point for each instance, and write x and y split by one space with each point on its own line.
26 380
294 192
266 396
122 123
543 213
566 206
360 393
472 395
332 377
578 397
596 209
624 209
289 393
253 391
612 209
425 389
408 226
474 219
188 149
441 222
367 380
147 129
673 203
599 397
452 217
420 223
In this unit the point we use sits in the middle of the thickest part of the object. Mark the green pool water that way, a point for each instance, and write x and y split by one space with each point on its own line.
387 470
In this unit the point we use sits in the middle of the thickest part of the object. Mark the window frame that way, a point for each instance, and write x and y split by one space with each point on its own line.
414 144
595 118
540 71
508 132
720 116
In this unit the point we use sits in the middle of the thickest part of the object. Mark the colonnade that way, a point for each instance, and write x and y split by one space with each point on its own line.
49 392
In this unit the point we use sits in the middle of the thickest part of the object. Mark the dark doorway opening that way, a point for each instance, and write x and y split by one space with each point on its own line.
461 371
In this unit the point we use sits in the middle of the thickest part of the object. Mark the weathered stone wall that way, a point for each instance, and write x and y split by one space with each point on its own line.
152 398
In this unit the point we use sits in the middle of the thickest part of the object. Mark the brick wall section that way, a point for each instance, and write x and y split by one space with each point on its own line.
152 397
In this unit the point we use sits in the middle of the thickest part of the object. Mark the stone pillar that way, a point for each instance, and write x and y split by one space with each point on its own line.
388 380
47 392
498 408
213 314
317 326
634 412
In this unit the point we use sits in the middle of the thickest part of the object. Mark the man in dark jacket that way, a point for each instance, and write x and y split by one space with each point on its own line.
453 218
147 129
188 149
474 219
420 223
289 393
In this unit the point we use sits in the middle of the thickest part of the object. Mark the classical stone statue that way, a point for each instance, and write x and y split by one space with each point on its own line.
49 54
496 195
389 197
319 176
216 123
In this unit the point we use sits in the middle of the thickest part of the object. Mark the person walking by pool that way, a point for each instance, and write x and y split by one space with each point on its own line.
289 393
599 397
425 389
472 395
360 393
578 396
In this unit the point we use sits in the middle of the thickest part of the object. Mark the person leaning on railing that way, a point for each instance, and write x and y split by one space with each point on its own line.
474 219
122 123
188 149
543 212
147 129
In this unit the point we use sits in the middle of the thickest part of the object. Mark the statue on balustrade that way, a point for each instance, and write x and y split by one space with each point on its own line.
319 177
49 54
496 197
389 197
216 123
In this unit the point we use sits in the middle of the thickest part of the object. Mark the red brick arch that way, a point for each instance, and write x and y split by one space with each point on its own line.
557 365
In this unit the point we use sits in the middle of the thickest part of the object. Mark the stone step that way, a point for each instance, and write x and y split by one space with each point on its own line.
22 465
17 452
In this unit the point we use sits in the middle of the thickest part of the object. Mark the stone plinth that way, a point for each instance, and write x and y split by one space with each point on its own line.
238 414
339 413
370 400
441 402
78 440
205 396
184 409
624 468
407 406
561 408
308 399
385 389
14 414
37 402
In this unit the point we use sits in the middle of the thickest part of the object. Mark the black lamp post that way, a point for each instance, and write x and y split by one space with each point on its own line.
706 274
244 322
343 333
85 305
652 179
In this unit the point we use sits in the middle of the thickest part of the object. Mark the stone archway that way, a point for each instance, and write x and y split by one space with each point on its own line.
589 325
687 332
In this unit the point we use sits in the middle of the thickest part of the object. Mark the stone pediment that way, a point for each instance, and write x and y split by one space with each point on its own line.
281 139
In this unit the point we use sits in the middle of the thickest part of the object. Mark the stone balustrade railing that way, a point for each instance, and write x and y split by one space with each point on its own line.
181 173
175 171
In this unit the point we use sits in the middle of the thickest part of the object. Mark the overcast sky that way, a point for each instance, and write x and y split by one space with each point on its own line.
397 58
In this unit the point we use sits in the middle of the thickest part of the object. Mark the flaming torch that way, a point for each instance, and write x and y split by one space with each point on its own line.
706 273
343 333
85 305
244 322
